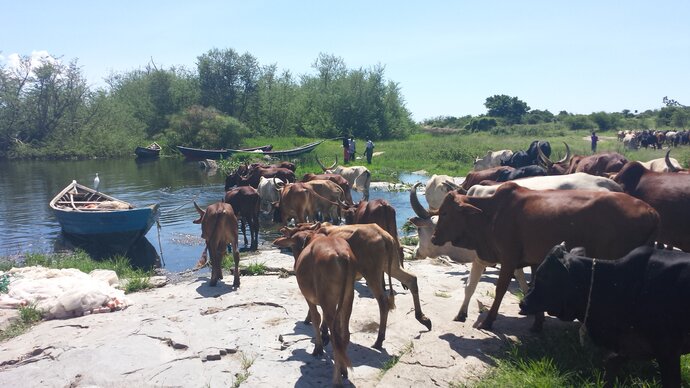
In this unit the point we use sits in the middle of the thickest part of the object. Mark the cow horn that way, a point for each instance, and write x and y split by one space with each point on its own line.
671 167
320 164
545 159
334 163
451 185
567 156
201 212
416 206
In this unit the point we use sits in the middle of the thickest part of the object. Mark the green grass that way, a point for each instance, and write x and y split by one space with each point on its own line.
28 316
391 362
556 359
246 363
255 268
453 153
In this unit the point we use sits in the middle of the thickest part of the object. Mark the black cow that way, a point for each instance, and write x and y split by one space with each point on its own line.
648 139
522 172
634 307
529 157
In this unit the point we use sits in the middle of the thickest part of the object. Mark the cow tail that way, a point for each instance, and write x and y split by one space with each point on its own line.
339 344
391 294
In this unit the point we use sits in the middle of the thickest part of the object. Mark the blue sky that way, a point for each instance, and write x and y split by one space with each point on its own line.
447 56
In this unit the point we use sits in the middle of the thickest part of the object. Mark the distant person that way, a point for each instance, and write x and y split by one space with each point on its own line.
369 150
595 139
346 149
353 149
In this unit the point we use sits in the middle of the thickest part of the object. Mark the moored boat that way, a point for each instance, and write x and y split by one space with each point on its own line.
151 151
90 216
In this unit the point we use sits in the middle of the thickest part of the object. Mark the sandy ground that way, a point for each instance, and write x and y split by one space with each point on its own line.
192 335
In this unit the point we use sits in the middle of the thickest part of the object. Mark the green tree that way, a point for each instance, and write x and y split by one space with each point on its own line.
605 121
206 128
511 109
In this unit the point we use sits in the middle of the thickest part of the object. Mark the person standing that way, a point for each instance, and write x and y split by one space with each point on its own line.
346 149
595 139
353 149
369 150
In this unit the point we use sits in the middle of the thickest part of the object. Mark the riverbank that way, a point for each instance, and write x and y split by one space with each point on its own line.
188 334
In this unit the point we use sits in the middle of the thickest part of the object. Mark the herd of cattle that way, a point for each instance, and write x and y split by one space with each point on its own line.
514 210
655 139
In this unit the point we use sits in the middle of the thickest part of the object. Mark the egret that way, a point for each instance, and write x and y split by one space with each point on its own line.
96 181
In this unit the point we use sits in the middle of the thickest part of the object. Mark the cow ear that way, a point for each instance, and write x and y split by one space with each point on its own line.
198 221
470 209
282 242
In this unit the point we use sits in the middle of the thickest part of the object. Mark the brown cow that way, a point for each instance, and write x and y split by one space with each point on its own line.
490 174
601 164
219 229
377 211
335 178
325 268
305 200
668 193
377 252
246 204
518 226
253 175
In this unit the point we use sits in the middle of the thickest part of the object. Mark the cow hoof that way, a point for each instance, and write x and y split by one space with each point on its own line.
213 283
460 318
425 321
378 345
318 351
485 325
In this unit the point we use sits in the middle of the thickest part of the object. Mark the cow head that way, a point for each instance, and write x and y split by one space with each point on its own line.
201 214
629 176
553 290
457 221
327 169
297 238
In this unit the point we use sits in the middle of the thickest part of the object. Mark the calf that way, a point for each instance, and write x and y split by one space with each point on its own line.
335 178
245 202
219 229
325 271
636 306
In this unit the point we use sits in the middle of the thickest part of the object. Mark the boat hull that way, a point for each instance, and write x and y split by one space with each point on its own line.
146 153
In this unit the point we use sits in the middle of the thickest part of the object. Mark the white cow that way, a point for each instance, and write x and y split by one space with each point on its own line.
269 192
436 190
576 181
491 159
664 164
359 177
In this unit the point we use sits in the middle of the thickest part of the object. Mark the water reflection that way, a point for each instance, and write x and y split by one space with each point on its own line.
28 225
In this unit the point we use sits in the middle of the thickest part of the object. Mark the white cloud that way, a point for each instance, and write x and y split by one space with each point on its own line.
13 61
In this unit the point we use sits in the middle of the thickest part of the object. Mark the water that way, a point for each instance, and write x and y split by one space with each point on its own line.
27 223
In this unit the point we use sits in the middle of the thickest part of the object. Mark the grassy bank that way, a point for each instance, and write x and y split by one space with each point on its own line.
453 153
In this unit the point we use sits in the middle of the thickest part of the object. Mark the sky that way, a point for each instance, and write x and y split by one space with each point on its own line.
446 56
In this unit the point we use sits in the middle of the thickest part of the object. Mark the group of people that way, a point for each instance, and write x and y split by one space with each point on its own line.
350 149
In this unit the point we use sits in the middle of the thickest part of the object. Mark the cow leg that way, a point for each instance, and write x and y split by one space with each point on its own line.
519 275
316 321
504 277
254 232
538 324
216 269
476 271
236 257
374 284
669 366
410 281
244 230
612 367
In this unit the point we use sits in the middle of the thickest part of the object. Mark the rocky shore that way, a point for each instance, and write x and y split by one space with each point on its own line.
190 335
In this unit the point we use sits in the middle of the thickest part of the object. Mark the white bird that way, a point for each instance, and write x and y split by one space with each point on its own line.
96 181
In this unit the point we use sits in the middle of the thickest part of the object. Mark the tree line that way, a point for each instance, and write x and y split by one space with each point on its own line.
503 110
47 109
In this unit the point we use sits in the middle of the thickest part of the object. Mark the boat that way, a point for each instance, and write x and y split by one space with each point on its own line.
89 216
202 154
149 152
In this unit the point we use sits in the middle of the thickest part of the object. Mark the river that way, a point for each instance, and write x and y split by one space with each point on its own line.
27 224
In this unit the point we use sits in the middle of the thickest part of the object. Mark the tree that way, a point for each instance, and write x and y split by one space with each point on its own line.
605 121
511 109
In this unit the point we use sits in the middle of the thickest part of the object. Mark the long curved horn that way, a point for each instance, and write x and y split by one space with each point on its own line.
545 159
567 156
671 167
419 210
201 212
320 164
334 163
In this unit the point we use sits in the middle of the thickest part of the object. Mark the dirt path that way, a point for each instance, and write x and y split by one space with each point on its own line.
188 334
